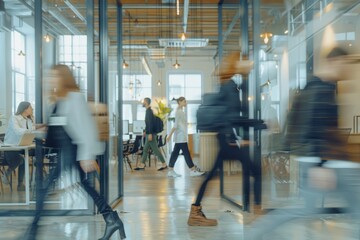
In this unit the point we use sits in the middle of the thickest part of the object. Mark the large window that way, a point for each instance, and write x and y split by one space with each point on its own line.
73 52
186 85
135 88
18 69
190 87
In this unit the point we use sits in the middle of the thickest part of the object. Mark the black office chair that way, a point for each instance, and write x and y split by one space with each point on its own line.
3 166
137 148
127 149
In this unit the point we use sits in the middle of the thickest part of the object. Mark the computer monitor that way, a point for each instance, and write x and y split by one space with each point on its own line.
125 127
138 126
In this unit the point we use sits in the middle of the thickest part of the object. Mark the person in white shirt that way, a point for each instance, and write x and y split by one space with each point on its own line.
181 139
74 130
22 122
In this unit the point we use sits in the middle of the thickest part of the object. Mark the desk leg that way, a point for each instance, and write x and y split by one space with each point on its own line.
27 179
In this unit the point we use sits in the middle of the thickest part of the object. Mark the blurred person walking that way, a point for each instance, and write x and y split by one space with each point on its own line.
319 147
181 141
73 130
150 138
230 146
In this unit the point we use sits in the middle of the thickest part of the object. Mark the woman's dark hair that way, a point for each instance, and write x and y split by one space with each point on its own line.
178 100
22 107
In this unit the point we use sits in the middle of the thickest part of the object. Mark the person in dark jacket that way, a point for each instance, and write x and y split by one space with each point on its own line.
150 141
318 146
313 120
230 147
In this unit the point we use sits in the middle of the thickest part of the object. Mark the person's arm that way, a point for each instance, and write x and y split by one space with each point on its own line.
81 127
170 134
176 125
149 121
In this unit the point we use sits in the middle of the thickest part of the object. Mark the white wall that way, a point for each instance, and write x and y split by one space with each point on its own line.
5 77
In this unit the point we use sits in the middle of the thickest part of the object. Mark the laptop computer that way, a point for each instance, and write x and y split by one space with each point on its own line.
26 139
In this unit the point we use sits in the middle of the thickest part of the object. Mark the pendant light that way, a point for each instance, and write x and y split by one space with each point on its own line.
125 64
176 65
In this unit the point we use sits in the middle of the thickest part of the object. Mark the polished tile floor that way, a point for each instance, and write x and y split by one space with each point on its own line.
157 207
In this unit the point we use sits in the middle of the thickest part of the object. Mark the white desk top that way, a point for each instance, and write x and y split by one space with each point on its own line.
4 147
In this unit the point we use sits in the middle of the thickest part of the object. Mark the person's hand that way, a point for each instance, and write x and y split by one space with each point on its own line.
89 166
41 127
150 138
168 139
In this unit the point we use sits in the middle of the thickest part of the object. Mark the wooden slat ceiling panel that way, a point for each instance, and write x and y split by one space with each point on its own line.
148 20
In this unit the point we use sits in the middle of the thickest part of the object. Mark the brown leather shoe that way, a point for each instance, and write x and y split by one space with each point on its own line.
198 218
257 210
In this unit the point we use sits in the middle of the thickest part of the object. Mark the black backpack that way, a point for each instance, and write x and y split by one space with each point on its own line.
210 114
158 125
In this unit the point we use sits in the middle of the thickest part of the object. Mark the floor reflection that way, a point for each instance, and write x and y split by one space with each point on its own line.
157 207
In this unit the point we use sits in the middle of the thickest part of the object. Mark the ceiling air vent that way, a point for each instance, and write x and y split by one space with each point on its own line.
189 42
5 22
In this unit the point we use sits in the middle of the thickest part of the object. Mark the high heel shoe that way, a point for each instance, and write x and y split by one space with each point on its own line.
113 223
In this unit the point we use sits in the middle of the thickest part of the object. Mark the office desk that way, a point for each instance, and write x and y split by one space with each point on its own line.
27 175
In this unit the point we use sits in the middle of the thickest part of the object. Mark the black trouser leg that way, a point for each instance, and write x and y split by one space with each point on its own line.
87 180
186 153
208 178
15 159
21 173
174 155
42 189
246 168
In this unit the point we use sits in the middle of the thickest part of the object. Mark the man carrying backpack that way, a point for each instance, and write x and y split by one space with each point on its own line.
150 138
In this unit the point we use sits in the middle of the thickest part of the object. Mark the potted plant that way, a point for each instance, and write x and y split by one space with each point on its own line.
162 110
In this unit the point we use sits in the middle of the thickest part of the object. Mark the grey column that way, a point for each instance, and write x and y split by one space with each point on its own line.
120 94
38 63
103 90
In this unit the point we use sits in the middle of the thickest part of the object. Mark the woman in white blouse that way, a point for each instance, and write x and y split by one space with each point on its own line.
181 139
79 146
22 122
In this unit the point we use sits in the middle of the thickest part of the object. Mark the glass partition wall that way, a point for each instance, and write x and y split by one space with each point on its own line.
288 50
288 59
234 32
63 33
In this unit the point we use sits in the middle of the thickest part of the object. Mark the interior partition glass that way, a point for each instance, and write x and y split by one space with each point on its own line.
232 175
17 85
64 28
289 60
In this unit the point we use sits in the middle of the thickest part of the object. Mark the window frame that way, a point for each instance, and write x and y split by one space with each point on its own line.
18 71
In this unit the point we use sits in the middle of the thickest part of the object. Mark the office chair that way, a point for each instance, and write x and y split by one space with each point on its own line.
3 165
127 149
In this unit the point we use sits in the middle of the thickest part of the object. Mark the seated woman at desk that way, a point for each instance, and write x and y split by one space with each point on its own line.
20 123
